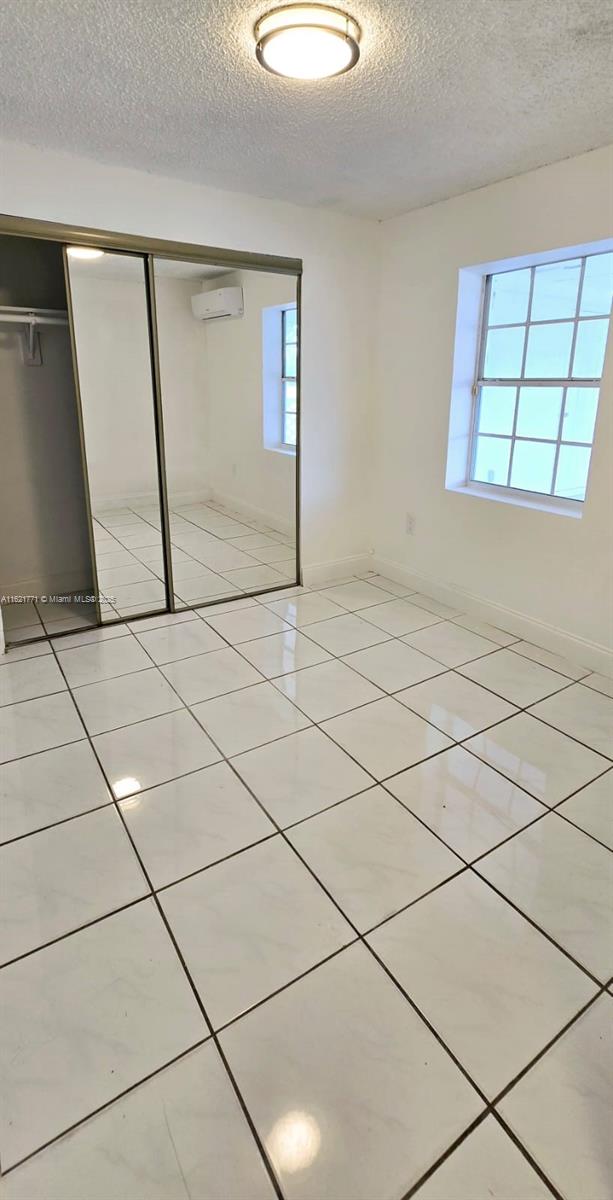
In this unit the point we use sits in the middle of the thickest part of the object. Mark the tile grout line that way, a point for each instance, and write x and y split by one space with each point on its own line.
197 998
375 783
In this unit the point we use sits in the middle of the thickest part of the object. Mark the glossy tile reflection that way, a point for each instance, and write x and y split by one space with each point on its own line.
197 827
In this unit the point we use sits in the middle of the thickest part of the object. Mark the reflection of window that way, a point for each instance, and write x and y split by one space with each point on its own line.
539 369
289 350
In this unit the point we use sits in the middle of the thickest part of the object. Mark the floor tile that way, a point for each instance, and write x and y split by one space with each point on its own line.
538 758
150 594
484 629
358 594
434 606
282 653
254 577
249 623
36 725
486 1164
599 683
209 675
468 805
392 665
30 678
563 880
583 714
143 624
86 637
562 1110
556 662
327 690
250 925
513 677
248 718
181 1133
342 635
203 587
111 577
45 788
155 751
490 984
300 774
450 644
399 616
20 653
385 737
118 702
592 809
373 856
96 661
305 609
390 585
64 877
364 1071
172 642
86 1018
456 705
185 825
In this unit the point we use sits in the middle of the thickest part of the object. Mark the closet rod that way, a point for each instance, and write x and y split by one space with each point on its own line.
33 316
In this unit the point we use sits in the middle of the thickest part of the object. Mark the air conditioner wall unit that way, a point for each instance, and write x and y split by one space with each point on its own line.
224 302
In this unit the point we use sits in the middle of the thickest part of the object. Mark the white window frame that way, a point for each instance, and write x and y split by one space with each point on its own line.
467 371
287 378
272 379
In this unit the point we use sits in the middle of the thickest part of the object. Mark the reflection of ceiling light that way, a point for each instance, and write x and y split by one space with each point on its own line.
307 41
126 787
294 1142
84 252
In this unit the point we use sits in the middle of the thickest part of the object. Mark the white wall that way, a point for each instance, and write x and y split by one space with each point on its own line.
339 265
242 468
551 569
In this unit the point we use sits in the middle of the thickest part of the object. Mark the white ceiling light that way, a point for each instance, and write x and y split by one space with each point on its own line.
307 41
84 252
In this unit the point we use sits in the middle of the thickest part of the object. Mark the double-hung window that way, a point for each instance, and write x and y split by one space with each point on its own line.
540 364
289 350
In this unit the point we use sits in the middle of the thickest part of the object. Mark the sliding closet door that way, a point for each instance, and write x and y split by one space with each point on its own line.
228 368
112 342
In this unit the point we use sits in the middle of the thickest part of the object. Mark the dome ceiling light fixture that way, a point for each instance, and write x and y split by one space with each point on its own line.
307 41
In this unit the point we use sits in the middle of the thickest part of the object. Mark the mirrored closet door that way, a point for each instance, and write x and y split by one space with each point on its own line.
113 352
227 344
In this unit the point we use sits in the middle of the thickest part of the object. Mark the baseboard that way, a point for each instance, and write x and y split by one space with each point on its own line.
578 650
337 568
276 522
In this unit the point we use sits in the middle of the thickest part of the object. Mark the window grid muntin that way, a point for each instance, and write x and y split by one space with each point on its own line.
285 378
522 381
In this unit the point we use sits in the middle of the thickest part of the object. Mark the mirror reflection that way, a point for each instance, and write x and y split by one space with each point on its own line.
227 346
113 354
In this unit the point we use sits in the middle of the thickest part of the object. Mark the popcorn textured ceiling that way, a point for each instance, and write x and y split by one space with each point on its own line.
449 95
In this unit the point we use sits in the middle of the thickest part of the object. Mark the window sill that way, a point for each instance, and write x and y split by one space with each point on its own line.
549 504
290 451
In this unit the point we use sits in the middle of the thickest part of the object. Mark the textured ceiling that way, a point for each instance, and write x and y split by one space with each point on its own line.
448 95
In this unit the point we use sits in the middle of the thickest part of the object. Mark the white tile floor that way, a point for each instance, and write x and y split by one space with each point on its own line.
215 553
277 924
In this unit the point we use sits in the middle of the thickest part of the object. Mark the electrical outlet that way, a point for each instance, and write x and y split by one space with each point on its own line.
410 523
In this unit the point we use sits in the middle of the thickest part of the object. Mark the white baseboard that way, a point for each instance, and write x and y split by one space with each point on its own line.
337 568
578 650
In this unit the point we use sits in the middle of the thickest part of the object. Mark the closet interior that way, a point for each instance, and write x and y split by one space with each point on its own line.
151 427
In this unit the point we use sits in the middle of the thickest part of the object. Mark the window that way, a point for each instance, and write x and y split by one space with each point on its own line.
289 350
540 363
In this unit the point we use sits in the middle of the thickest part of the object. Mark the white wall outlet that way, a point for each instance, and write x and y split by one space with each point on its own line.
409 523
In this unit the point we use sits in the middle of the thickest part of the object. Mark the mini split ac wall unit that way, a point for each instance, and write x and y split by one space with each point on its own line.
225 302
